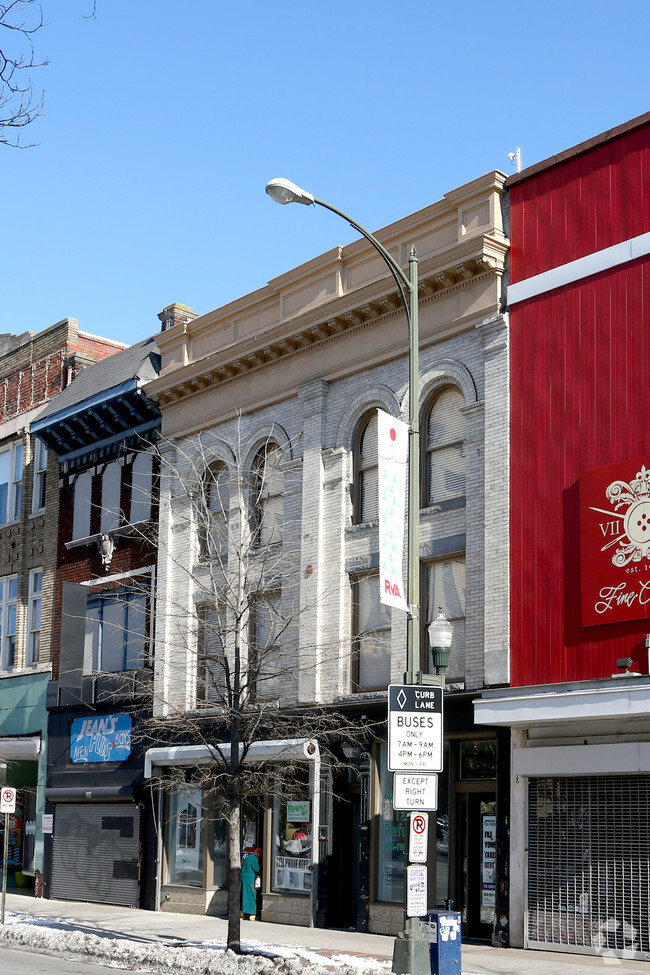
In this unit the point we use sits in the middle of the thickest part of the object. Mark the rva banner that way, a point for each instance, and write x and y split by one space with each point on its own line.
392 450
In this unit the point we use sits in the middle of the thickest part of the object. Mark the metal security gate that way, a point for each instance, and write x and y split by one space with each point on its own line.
589 864
96 853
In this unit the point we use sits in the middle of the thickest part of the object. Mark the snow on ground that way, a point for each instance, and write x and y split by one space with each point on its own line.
52 936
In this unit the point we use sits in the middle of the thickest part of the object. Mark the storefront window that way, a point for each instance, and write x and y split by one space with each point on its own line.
184 849
219 847
478 759
293 837
441 816
393 834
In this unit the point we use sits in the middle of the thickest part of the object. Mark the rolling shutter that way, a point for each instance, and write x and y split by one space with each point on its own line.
589 864
96 853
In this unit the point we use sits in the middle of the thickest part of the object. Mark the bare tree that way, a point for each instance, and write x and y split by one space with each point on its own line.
20 20
232 666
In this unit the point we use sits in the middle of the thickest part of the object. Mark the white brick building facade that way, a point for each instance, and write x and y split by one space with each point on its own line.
302 363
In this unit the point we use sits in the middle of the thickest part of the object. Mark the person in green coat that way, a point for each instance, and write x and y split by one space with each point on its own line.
250 870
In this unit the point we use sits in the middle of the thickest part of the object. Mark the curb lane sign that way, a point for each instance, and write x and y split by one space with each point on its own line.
414 728
7 800
415 791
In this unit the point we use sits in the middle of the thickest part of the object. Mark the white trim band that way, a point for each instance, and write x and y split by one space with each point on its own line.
524 707
288 749
17 749
584 267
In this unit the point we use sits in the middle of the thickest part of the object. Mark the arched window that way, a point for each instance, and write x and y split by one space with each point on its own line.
268 489
444 441
365 480
214 517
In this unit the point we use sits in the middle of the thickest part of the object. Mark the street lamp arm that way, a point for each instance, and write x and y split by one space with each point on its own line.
398 273
283 191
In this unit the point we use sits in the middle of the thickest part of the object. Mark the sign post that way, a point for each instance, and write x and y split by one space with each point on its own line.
415 751
7 806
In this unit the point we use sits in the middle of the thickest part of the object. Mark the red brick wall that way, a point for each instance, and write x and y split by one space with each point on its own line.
83 562
37 370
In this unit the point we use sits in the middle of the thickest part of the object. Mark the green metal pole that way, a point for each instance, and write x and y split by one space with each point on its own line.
413 585
411 951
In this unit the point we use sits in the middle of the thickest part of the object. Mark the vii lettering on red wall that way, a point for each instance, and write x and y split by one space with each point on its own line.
615 543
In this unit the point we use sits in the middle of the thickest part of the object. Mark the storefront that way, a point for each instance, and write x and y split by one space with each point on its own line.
192 834
98 821
462 860
580 814
23 758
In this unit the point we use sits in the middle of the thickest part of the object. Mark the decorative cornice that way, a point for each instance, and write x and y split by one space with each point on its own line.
435 284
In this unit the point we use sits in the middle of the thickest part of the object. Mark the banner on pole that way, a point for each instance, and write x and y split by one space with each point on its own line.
392 465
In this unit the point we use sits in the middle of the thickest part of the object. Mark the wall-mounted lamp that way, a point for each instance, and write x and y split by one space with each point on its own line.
440 637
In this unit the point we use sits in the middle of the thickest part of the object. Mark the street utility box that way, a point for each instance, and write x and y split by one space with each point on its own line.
442 929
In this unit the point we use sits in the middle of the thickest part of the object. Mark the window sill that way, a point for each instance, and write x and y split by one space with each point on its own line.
362 527
356 697
25 671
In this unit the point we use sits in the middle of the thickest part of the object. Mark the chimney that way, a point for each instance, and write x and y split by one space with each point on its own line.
176 314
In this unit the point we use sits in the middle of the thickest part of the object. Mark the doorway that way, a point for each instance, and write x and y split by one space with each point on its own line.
342 871
476 861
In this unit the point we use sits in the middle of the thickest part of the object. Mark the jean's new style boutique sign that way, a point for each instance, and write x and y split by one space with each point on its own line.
101 739
615 542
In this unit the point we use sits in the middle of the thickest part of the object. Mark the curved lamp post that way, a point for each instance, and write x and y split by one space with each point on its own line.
284 191
411 952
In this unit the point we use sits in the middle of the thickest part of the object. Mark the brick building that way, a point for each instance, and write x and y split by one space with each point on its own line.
34 368
100 433
280 389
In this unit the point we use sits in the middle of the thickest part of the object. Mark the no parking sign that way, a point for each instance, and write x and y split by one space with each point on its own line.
7 800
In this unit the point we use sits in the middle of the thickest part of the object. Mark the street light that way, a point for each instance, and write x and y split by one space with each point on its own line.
440 636
284 191
411 951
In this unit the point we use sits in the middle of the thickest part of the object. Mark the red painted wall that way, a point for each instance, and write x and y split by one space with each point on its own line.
579 400
592 201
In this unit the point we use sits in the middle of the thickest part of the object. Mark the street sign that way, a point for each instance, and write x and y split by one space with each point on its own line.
7 800
414 728
414 791
418 836
416 890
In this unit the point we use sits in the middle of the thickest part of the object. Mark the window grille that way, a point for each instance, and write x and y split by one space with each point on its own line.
589 864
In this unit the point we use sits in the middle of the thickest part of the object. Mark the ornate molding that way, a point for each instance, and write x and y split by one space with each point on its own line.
435 283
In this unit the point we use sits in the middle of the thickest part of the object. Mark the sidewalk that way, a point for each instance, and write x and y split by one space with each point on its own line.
168 928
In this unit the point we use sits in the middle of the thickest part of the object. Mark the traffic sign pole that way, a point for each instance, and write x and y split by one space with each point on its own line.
7 805
4 866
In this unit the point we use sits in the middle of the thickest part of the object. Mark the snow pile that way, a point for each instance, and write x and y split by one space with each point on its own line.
53 937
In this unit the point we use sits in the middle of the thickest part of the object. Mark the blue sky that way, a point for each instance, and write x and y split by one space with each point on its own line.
164 120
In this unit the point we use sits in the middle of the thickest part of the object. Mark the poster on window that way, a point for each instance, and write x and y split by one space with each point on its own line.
488 869
392 466
293 873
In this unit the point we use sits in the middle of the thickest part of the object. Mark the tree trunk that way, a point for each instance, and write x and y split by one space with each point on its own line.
234 876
